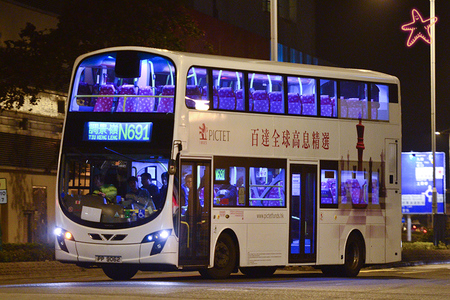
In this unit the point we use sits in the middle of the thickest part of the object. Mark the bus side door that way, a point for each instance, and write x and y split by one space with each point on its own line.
195 202
302 234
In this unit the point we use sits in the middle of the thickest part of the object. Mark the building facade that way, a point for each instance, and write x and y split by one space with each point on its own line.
30 139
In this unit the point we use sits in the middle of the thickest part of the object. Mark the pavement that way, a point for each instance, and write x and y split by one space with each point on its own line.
55 270
44 269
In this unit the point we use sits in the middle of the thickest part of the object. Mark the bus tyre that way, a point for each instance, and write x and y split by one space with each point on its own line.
224 259
354 256
120 272
258 272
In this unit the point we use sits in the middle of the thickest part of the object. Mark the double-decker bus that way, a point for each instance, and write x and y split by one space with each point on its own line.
246 165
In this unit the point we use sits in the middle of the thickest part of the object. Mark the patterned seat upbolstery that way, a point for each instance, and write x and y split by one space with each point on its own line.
326 106
260 101
308 105
193 92
227 98
105 104
276 102
165 104
240 101
126 104
294 104
145 104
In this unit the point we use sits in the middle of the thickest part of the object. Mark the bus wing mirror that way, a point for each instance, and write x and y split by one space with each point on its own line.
172 167
173 163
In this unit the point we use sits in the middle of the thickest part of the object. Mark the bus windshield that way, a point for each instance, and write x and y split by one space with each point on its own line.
112 191
124 81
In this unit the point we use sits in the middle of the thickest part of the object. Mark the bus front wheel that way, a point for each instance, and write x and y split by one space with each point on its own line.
119 272
224 259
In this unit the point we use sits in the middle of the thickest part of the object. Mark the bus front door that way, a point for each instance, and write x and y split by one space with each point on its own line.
302 237
195 201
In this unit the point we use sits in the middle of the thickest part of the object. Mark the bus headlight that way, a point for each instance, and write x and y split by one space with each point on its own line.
158 238
61 236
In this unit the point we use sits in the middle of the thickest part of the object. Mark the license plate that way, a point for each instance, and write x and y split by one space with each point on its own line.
108 259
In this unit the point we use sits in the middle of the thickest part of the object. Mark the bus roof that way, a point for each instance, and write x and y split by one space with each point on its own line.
256 65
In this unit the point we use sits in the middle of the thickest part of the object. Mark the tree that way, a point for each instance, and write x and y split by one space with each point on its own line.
44 59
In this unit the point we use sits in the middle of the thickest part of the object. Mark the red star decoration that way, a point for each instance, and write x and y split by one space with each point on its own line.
419 28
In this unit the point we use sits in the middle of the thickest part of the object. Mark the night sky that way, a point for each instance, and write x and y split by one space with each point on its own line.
367 34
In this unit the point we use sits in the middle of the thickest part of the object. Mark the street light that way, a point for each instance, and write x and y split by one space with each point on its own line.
433 114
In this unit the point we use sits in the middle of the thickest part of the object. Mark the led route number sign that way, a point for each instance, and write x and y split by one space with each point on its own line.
118 131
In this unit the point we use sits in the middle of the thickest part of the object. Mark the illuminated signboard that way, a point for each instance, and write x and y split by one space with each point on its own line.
118 131
419 28
220 174
417 182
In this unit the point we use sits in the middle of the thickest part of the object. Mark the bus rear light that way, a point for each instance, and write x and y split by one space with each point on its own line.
159 239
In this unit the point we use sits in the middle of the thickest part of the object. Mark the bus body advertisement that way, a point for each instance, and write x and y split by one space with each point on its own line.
178 161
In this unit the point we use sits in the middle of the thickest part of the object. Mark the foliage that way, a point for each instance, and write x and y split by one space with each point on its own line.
423 246
27 252
44 59
18 60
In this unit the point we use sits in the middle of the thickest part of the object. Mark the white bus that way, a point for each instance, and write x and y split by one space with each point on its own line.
253 165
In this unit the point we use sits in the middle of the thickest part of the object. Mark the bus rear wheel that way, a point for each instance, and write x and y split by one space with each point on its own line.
224 259
354 256
354 259
258 272
119 272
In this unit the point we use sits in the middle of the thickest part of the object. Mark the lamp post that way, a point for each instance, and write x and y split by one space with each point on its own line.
274 30
433 114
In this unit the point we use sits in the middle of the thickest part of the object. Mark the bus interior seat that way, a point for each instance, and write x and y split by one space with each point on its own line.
343 109
215 98
104 104
128 104
308 105
351 188
354 108
276 102
227 99
328 191
260 101
326 106
294 104
165 104
240 104
192 93
145 104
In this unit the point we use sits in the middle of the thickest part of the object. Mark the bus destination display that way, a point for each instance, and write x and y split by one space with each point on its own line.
118 131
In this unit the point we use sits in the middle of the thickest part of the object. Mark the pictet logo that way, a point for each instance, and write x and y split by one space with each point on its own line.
213 135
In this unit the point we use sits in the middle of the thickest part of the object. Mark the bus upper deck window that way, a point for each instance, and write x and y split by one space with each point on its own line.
302 96
124 82
379 102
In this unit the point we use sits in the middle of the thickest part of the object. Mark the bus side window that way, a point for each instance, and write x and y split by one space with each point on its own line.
228 90
267 187
353 100
379 102
229 186
328 105
302 96
197 89
328 188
